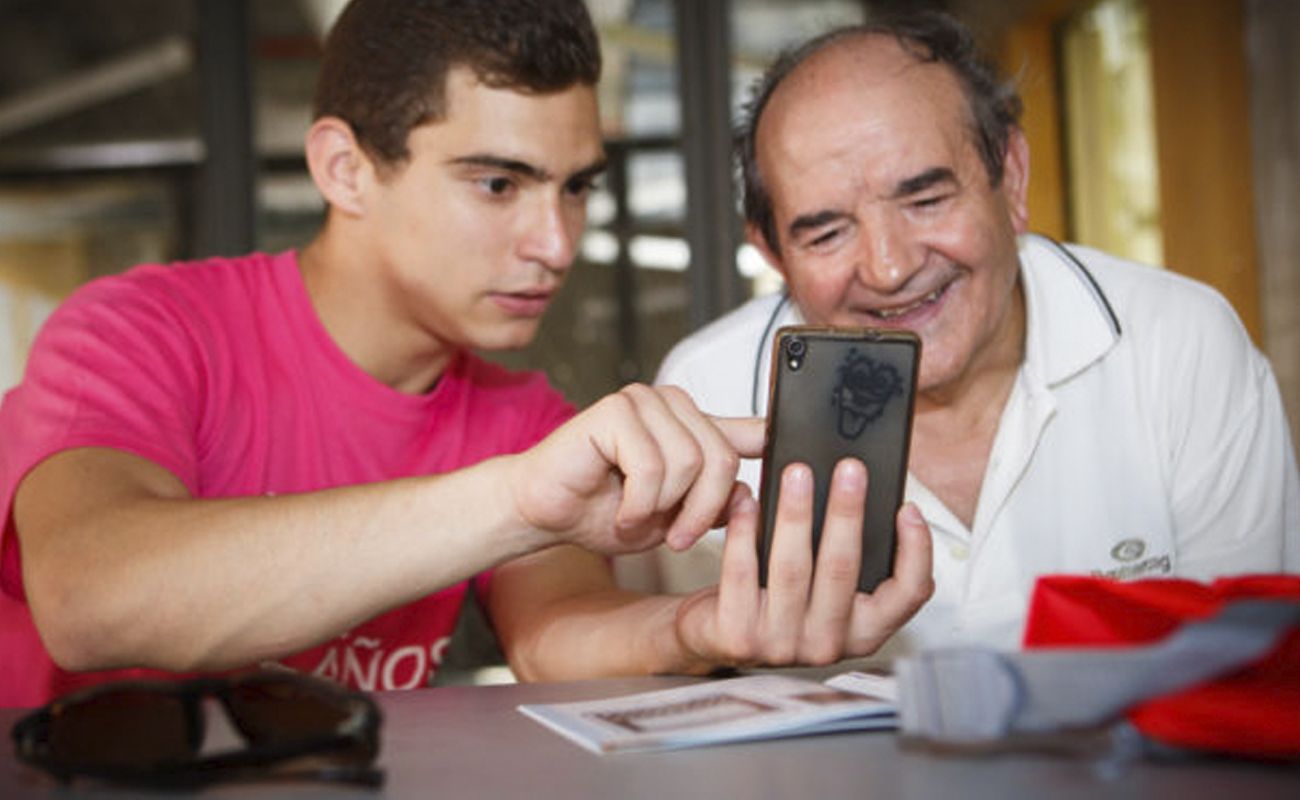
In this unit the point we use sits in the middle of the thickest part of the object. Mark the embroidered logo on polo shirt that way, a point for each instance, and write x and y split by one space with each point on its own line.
1128 550
1129 553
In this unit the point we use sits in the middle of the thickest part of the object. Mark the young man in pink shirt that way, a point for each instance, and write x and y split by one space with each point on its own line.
297 458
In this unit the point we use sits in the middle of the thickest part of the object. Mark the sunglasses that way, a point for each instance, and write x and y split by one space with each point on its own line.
151 732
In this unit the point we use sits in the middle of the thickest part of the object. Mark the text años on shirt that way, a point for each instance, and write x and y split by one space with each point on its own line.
366 664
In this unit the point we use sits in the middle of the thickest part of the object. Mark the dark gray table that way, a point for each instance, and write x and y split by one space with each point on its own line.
470 742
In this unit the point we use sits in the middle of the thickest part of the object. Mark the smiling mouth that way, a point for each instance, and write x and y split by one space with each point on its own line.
886 314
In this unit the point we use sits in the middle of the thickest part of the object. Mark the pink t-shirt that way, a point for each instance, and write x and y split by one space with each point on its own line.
220 372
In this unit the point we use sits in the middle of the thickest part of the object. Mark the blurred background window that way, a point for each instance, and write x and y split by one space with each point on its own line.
1114 185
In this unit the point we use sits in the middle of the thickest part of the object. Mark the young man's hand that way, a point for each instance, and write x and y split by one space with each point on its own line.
808 614
640 467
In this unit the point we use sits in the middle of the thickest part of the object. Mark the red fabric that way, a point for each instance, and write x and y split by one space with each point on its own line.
1253 712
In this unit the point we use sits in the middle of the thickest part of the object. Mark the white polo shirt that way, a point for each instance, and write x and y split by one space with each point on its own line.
1144 437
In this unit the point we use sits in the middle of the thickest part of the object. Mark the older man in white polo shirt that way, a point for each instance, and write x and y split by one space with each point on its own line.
1077 413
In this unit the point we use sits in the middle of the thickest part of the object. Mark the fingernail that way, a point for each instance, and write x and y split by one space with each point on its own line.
851 473
797 478
624 523
744 503
912 514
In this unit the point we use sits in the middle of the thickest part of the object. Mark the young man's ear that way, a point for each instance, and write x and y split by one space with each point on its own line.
756 238
338 165
1015 179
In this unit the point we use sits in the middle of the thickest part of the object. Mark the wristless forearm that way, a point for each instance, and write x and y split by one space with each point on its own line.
202 584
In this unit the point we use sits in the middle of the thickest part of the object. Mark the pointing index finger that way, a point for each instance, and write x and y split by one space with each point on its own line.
746 434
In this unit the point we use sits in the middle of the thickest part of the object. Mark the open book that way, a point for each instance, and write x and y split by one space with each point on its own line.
732 710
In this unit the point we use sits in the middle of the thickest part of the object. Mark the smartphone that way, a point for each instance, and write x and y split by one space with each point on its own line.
837 392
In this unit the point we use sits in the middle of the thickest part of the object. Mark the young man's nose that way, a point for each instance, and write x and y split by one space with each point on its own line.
552 235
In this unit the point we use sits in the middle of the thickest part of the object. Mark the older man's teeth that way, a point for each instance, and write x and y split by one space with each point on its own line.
890 313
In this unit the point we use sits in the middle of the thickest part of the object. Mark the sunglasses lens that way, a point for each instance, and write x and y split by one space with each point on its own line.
123 729
276 710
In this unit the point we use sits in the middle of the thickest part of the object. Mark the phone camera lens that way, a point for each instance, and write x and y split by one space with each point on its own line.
794 352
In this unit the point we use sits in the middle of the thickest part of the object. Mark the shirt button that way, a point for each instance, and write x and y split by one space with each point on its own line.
959 552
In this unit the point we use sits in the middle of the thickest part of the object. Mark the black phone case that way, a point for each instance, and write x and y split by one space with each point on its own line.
838 392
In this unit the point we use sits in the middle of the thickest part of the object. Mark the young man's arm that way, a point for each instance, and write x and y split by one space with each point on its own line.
559 615
122 567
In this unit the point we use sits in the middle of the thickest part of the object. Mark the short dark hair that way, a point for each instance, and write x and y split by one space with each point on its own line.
930 36
385 65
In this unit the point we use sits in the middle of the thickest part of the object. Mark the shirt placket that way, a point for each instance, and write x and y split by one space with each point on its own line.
1029 409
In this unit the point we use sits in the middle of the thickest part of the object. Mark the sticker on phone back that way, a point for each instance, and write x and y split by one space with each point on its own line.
865 387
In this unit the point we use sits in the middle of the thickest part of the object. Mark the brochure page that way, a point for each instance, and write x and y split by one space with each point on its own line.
731 710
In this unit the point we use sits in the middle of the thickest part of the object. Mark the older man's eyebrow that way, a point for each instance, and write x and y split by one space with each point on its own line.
807 222
926 180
